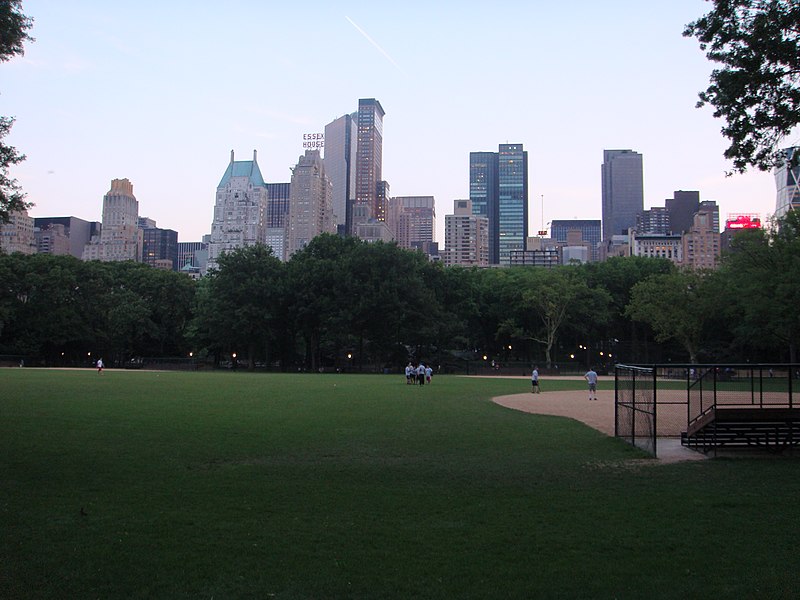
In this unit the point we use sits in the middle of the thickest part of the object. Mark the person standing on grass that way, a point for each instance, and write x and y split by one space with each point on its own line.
100 365
591 377
535 381
421 374
428 374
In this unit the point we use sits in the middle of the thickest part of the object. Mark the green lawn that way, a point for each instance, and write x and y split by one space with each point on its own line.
237 485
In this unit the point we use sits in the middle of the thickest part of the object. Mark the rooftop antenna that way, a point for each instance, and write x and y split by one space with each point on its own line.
543 230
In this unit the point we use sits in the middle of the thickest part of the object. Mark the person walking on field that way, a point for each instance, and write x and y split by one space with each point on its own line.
428 374
535 381
100 365
591 377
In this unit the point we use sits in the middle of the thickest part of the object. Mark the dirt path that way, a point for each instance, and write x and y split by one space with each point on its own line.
598 414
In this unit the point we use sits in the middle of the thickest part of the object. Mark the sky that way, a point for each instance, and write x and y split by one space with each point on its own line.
161 92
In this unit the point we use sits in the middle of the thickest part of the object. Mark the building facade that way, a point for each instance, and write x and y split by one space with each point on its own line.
17 235
682 208
701 244
160 248
622 180
78 232
412 220
590 230
310 210
120 237
239 210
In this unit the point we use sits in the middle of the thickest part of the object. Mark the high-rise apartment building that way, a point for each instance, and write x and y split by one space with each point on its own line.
310 211
341 140
787 182
120 236
499 190
239 210
622 191
412 220
466 236
369 155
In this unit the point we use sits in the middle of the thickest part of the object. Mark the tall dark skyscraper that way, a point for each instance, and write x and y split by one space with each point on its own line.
369 154
623 191
498 189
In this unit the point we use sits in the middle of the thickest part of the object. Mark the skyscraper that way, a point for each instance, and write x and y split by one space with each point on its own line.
120 237
239 210
498 189
483 192
512 205
340 167
369 155
787 182
623 191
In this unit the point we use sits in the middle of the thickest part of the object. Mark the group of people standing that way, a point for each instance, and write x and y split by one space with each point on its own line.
590 376
418 375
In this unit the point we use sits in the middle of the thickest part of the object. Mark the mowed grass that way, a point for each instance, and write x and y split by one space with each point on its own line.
238 485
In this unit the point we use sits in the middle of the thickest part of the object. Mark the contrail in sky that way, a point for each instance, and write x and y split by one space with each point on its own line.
374 43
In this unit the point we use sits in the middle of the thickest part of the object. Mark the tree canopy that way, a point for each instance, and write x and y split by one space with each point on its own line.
757 88
14 27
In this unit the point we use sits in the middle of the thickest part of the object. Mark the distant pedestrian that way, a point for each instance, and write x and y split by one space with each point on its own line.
535 381
410 374
591 377
100 365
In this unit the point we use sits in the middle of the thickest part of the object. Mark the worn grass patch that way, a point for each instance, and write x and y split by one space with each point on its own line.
234 485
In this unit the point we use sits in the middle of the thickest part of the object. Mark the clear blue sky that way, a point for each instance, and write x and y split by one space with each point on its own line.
161 92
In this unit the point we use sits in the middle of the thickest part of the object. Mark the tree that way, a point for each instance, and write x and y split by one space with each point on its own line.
241 309
676 306
757 90
764 269
14 28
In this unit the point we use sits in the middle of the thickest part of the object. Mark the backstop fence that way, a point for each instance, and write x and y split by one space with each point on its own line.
653 401
635 406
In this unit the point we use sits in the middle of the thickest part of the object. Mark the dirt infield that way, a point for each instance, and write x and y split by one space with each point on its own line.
598 414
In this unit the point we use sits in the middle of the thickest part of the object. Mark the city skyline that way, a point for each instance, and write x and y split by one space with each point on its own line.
108 92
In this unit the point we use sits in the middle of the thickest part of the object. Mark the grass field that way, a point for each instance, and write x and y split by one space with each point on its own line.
237 485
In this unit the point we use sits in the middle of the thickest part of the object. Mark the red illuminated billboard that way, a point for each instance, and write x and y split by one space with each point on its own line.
743 222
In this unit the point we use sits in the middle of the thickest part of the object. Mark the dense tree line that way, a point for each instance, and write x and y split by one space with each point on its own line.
343 303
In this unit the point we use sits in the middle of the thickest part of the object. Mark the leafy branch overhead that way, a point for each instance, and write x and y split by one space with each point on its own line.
756 90
14 27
